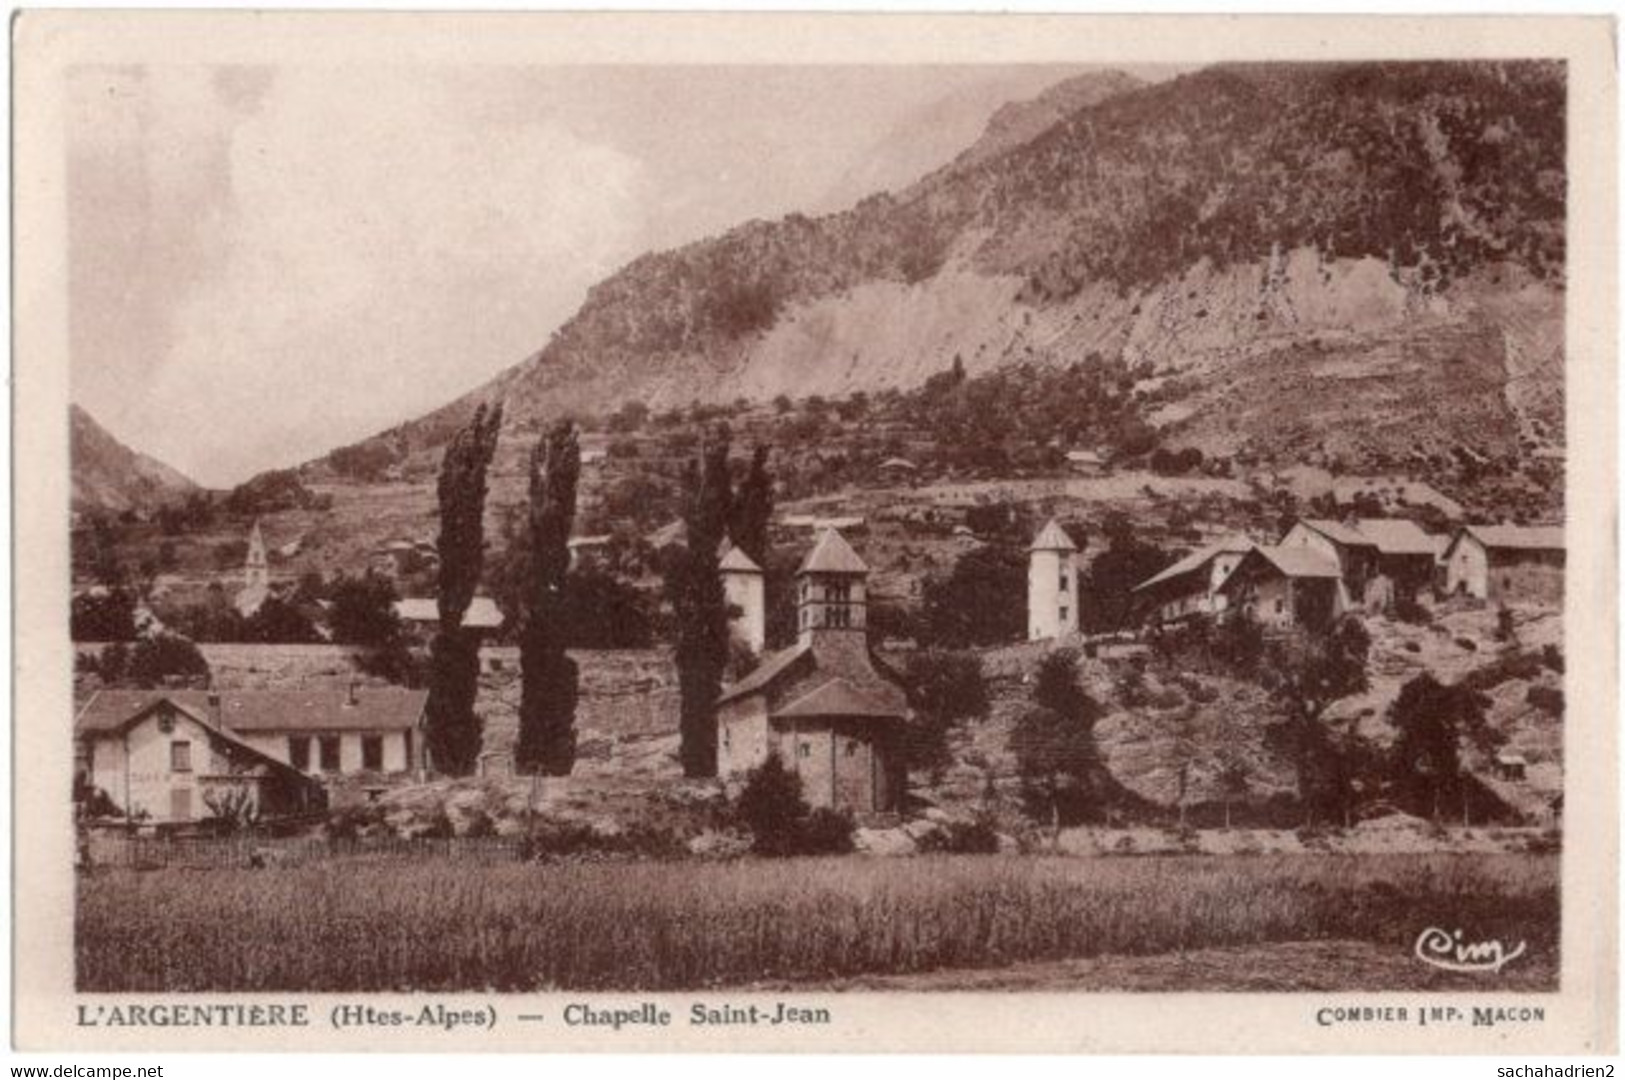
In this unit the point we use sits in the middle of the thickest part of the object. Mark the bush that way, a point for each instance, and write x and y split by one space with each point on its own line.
1547 698
1552 657
779 820
962 838
1408 609
825 832
166 658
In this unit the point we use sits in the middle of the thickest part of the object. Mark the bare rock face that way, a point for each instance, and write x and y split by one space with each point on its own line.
1364 223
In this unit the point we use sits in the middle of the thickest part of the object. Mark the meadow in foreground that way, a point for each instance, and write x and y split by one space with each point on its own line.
429 925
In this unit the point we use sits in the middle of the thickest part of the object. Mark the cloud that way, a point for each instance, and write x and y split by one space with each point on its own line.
386 247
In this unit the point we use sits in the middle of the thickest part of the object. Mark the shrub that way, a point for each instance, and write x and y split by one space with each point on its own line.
1408 609
166 658
779 820
825 832
1467 643
1552 657
976 837
1547 698
772 808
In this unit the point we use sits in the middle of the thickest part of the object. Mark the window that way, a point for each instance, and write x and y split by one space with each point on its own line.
1063 581
851 748
1280 605
1063 613
372 752
180 756
299 752
840 617
804 750
838 593
328 746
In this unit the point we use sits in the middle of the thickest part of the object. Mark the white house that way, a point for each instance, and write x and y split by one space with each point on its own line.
1192 585
1052 584
1284 587
166 757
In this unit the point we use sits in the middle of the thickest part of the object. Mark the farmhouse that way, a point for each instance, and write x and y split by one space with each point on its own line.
1191 585
168 758
1379 560
898 470
1281 588
830 711
421 615
1506 563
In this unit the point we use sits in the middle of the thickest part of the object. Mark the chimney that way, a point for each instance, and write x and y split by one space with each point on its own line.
350 697
214 710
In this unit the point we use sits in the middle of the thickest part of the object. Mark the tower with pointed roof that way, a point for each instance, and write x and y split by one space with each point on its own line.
1052 584
257 569
826 706
745 588
831 593
256 574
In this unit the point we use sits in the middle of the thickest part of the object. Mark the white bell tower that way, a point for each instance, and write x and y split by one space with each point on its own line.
1052 584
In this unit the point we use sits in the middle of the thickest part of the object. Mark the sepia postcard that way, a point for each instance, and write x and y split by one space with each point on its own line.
815 533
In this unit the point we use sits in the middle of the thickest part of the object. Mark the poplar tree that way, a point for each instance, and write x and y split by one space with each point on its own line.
453 730
550 681
753 509
694 585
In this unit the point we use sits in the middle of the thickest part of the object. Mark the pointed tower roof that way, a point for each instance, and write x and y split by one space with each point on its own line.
735 561
1053 538
256 541
832 555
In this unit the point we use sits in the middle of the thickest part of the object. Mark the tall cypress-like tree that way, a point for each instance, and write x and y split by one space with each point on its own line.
547 704
453 734
753 509
695 588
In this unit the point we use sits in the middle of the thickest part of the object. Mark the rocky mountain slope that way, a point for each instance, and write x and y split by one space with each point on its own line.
1378 248
107 475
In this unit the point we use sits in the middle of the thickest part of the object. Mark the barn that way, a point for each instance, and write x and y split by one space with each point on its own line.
1506 563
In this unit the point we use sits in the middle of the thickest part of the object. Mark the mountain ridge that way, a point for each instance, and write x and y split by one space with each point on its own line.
108 475
1189 223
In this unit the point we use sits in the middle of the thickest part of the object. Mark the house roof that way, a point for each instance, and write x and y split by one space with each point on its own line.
236 746
1085 457
1299 562
832 555
482 613
1292 562
899 463
1347 535
1053 538
1397 536
245 711
1196 560
1518 537
839 697
735 561
769 669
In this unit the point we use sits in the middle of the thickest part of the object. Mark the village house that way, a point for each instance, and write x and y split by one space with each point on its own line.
167 758
1283 588
898 470
1191 585
1506 563
178 745
1052 584
420 616
830 710
1379 560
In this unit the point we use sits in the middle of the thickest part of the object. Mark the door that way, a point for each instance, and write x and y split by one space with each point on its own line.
180 804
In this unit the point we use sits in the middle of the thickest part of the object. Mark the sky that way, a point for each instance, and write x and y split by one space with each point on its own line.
265 263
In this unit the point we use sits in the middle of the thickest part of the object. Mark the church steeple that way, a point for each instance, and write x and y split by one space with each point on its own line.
831 594
257 569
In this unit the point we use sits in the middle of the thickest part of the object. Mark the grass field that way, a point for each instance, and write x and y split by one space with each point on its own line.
350 925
